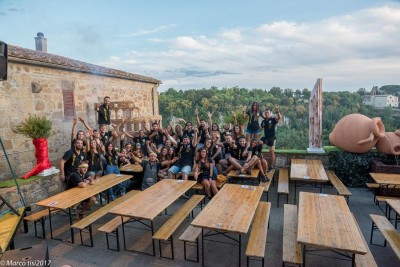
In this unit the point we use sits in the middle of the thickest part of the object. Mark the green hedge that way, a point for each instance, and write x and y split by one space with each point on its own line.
352 168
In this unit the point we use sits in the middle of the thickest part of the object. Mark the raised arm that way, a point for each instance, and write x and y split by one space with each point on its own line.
173 141
209 114
196 111
74 121
234 118
136 159
195 139
86 125
244 113
278 114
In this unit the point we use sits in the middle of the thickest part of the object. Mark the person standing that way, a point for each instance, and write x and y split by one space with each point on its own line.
253 127
268 124
104 112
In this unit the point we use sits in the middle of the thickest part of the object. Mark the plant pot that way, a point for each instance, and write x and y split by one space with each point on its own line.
357 133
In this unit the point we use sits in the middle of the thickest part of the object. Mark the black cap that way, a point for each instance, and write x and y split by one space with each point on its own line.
186 136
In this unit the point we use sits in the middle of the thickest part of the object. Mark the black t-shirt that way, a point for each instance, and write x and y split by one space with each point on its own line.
72 160
257 150
179 138
157 138
104 138
94 161
185 153
269 127
104 114
112 159
228 149
204 170
202 135
253 120
74 179
238 153
189 133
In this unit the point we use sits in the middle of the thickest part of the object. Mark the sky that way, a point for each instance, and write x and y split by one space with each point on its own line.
350 44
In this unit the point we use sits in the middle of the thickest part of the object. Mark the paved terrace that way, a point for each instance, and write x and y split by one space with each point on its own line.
217 254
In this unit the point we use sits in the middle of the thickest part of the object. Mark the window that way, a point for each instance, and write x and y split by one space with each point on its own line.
67 89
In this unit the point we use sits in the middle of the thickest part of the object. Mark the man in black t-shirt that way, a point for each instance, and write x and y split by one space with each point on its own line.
268 124
71 160
81 179
189 130
104 113
202 130
185 156
156 135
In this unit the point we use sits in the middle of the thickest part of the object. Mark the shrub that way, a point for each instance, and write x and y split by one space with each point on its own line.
352 168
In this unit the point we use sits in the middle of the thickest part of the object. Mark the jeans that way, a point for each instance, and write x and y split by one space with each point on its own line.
119 188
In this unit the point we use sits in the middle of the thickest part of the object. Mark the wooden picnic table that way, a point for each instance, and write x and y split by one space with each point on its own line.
131 168
307 171
325 222
394 204
384 180
253 176
231 210
148 204
66 199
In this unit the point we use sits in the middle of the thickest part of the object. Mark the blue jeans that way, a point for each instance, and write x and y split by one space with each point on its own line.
186 169
119 188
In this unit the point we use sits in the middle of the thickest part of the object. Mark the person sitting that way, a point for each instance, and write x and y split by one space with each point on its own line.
185 156
81 179
204 173
243 160
151 167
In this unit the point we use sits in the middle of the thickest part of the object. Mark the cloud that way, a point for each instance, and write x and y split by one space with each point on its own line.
355 50
147 32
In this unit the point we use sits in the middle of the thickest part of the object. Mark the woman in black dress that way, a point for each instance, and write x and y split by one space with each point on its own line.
203 173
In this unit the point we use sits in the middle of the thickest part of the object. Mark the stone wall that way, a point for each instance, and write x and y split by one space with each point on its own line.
37 89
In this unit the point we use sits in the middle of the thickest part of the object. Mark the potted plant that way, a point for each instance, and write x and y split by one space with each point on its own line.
38 128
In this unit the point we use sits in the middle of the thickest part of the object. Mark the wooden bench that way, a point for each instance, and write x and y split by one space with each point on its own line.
388 231
283 184
165 233
366 260
292 253
111 229
258 235
40 217
86 223
340 187
191 235
379 199
9 225
266 185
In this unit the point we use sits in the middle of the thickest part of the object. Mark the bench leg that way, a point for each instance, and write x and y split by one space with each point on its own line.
197 251
373 228
171 239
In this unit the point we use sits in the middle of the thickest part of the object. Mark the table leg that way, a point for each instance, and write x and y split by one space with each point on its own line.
353 260
202 247
51 226
295 192
304 255
71 222
154 245
240 249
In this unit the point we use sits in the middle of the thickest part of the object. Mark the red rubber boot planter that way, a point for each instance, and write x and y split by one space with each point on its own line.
42 157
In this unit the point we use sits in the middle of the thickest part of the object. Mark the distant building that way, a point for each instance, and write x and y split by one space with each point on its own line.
381 101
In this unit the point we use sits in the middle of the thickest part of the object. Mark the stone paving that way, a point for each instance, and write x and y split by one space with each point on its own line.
217 254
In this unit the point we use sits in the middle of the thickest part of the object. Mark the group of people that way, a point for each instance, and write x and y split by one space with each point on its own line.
167 152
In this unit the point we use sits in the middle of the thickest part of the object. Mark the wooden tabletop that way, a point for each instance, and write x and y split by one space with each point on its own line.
131 168
308 170
325 221
395 204
386 178
253 175
231 210
152 201
75 195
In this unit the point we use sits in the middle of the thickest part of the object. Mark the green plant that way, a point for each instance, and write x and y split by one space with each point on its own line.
34 127
352 168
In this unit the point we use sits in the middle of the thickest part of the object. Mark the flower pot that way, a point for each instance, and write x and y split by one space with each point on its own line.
357 133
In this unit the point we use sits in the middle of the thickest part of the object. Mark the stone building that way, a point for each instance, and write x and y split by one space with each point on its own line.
60 88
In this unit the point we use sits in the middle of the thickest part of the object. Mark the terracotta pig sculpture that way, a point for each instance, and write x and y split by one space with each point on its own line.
357 133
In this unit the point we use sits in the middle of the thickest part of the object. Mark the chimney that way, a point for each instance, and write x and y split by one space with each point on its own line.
41 42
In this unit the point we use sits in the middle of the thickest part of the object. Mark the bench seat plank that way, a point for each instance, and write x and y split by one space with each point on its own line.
337 183
292 252
283 183
388 231
40 214
191 234
366 260
258 235
113 224
94 216
173 223
266 185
